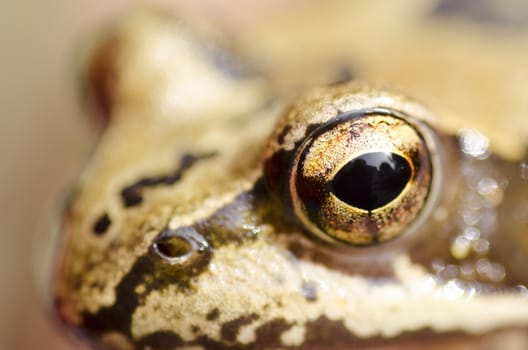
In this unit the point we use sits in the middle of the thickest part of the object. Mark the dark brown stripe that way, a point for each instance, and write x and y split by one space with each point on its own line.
102 224
132 194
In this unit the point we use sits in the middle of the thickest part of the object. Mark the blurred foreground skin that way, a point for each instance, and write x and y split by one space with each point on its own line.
220 209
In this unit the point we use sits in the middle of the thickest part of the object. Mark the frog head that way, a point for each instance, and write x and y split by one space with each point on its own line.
218 213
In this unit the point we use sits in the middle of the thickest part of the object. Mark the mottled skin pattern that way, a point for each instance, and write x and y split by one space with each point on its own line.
183 231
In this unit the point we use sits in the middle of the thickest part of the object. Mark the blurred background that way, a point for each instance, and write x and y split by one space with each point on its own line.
45 137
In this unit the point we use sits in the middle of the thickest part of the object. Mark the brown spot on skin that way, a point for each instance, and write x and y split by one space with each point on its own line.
230 329
102 224
213 314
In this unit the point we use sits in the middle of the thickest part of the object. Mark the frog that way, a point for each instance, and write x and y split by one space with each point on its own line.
260 196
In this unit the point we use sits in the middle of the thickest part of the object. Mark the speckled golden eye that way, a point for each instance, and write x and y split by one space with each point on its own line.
358 176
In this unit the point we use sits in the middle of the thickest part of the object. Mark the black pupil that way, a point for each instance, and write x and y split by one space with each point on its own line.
371 180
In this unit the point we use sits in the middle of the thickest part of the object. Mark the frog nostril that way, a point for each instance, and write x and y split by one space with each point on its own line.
180 247
173 247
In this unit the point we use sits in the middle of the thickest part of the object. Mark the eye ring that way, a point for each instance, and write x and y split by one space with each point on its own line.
361 177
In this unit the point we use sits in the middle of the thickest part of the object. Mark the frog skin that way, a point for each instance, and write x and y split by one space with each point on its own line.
209 216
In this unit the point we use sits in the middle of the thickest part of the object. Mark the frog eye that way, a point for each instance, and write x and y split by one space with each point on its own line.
360 177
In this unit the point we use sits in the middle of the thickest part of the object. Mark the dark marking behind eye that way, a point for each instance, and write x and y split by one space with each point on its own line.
132 194
371 180
102 224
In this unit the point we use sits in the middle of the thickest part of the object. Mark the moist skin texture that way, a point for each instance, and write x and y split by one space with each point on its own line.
183 232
